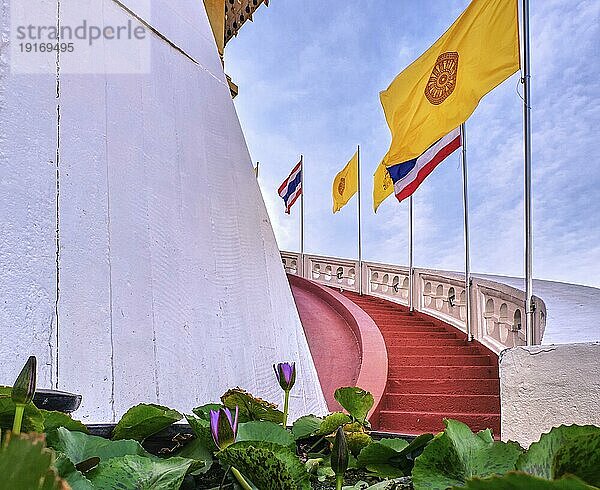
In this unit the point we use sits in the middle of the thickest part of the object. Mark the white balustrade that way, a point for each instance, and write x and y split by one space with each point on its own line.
497 310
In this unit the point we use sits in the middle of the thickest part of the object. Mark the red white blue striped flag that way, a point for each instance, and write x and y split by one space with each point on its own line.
291 189
408 176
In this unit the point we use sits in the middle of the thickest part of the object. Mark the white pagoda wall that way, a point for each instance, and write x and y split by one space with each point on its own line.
168 285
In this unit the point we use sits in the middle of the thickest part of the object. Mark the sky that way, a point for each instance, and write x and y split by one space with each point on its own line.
310 73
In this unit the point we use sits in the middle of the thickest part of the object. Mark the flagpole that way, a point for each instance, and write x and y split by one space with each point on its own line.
410 255
257 168
463 135
360 267
529 302
302 211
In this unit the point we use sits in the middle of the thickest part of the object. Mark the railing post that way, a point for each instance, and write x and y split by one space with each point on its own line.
474 311
417 300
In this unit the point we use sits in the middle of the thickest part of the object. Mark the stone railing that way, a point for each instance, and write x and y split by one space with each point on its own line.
497 310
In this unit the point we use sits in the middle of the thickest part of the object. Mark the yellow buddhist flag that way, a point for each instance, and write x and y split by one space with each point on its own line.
383 187
442 88
345 184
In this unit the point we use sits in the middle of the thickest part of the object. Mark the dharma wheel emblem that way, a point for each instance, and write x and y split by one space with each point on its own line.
342 186
442 81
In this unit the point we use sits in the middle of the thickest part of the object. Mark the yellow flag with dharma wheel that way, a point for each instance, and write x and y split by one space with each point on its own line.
345 184
383 186
442 88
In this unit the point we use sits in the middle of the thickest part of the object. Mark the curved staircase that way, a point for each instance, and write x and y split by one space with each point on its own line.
434 373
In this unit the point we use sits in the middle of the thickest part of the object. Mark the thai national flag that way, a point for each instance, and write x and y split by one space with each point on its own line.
291 189
409 175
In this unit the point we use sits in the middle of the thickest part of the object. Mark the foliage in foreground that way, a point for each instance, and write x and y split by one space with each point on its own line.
248 438
25 464
568 457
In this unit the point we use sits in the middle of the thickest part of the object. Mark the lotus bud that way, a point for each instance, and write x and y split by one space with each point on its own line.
24 387
286 374
223 427
339 454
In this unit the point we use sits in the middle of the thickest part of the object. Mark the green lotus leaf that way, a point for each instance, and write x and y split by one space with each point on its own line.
53 420
251 407
456 455
25 464
306 426
523 481
405 460
331 423
539 460
140 473
356 401
75 478
144 420
378 457
268 466
357 441
202 456
580 457
79 447
265 431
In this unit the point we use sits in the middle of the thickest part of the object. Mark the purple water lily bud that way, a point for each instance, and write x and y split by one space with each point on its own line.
223 427
286 374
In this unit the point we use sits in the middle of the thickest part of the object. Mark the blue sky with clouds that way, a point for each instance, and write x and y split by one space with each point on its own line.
310 73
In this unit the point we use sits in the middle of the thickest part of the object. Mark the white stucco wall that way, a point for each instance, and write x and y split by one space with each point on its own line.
546 386
168 285
27 215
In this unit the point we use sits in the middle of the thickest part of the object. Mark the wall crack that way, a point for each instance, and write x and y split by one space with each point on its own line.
55 382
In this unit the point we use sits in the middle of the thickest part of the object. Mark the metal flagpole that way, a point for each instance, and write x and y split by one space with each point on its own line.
302 211
463 137
529 303
411 306
360 267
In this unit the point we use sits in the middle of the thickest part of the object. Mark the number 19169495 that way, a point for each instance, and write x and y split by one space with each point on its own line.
46 47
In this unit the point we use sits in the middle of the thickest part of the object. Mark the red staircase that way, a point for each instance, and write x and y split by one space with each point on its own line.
434 373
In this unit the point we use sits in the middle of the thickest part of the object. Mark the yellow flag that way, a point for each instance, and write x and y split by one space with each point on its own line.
345 184
441 89
383 187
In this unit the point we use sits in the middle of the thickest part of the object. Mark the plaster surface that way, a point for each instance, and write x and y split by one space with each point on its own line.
167 286
28 211
546 386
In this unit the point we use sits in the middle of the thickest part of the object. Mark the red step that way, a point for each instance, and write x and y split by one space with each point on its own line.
423 342
436 350
418 335
399 326
444 386
446 360
400 331
410 402
394 319
419 422
442 372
